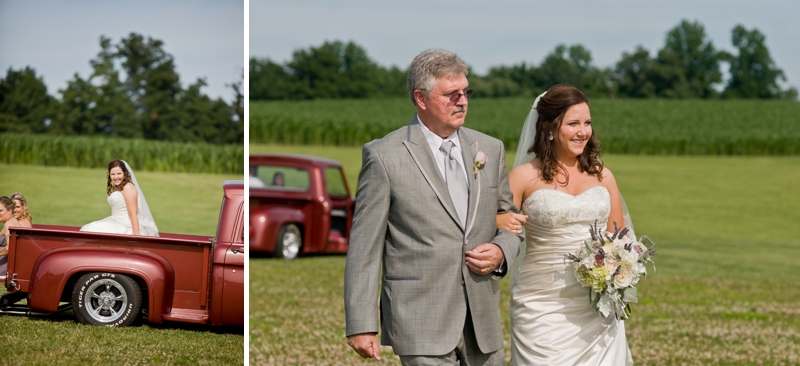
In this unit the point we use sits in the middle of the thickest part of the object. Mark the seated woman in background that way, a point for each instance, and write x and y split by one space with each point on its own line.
8 220
21 210
278 180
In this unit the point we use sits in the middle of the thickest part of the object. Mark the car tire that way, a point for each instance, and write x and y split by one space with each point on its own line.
289 242
106 299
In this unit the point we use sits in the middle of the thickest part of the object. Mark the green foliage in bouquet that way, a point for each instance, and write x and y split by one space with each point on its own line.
611 266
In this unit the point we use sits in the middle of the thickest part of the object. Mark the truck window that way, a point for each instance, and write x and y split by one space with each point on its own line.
279 178
336 185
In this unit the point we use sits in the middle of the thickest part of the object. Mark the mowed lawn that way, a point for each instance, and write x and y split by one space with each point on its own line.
725 291
181 203
185 203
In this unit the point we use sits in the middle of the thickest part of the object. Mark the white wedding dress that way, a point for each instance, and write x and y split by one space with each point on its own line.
552 322
118 223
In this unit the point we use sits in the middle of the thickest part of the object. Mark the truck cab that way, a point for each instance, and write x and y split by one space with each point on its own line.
298 205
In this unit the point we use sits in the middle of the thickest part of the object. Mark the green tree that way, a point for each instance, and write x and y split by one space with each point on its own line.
269 81
152 84
335 70
150 102
572 66
753 72
332 70
25 106
633 74
688 66
98 105
506 81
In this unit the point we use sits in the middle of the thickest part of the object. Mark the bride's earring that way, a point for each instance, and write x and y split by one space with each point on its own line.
551 136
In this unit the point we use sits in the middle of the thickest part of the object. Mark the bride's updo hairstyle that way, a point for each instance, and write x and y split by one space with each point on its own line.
551 108
126 176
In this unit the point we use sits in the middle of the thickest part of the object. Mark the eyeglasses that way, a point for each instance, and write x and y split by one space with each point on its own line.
456 96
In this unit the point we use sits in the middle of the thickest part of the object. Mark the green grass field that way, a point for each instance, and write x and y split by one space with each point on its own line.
626 126
725 291
181 203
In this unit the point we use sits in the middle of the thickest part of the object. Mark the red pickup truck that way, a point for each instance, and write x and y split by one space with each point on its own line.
111 279
298 205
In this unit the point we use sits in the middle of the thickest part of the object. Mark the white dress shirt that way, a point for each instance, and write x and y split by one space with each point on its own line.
435 142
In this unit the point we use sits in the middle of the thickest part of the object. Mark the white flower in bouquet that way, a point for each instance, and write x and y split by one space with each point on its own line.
622 278
611 266
628 256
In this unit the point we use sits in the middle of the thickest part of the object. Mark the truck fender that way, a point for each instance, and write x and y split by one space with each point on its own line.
267 222
54 268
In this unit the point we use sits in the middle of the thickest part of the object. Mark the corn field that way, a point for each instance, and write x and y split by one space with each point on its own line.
625 126
96 152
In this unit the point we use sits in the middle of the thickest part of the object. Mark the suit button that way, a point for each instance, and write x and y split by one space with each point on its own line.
466 241
462 283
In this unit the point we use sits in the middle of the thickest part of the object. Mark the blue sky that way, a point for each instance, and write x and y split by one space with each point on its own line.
506 32
58 38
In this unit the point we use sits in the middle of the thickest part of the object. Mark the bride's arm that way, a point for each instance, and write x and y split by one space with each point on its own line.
616 203
517 180
131 204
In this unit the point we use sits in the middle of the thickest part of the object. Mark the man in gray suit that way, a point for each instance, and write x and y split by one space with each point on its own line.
426 203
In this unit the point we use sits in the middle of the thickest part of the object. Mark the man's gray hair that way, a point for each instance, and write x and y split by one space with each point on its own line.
429 65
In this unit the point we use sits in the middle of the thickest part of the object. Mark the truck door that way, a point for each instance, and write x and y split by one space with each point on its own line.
233 280
338 193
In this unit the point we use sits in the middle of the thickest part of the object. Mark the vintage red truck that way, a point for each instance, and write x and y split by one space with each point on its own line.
111 279
298 205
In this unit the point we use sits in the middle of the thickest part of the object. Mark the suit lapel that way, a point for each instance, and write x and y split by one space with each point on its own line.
421 153
469 148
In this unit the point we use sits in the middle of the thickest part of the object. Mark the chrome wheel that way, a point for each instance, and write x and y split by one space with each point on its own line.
106 300
289 242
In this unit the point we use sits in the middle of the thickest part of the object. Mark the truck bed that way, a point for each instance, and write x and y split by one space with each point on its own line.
186 257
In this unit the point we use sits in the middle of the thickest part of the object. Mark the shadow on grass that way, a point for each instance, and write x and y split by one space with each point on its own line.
69 317
264 255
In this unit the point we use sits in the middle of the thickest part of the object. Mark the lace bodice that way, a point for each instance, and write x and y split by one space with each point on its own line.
550 208
558 221
118 208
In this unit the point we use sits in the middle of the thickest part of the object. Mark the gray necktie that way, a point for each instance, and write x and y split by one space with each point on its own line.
456 181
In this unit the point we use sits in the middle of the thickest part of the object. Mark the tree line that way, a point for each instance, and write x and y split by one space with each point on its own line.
687 66
133 91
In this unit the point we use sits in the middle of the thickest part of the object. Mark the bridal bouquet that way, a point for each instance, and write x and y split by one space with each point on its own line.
611 265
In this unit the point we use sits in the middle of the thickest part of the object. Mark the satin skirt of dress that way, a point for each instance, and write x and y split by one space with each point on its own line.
552 321
111 225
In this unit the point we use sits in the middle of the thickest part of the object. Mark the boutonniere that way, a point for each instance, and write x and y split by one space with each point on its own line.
480 162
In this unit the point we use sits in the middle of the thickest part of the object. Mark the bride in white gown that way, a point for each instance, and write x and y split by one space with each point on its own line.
562 187
130 213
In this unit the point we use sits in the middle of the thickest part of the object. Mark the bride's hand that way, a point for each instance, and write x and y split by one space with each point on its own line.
511 222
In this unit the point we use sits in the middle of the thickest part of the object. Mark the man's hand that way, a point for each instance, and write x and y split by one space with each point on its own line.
365 344
484 259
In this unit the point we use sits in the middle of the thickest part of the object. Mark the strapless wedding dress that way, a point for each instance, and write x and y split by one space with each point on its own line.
119 222
552 322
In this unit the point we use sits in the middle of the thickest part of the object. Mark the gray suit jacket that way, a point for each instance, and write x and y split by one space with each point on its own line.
406 221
